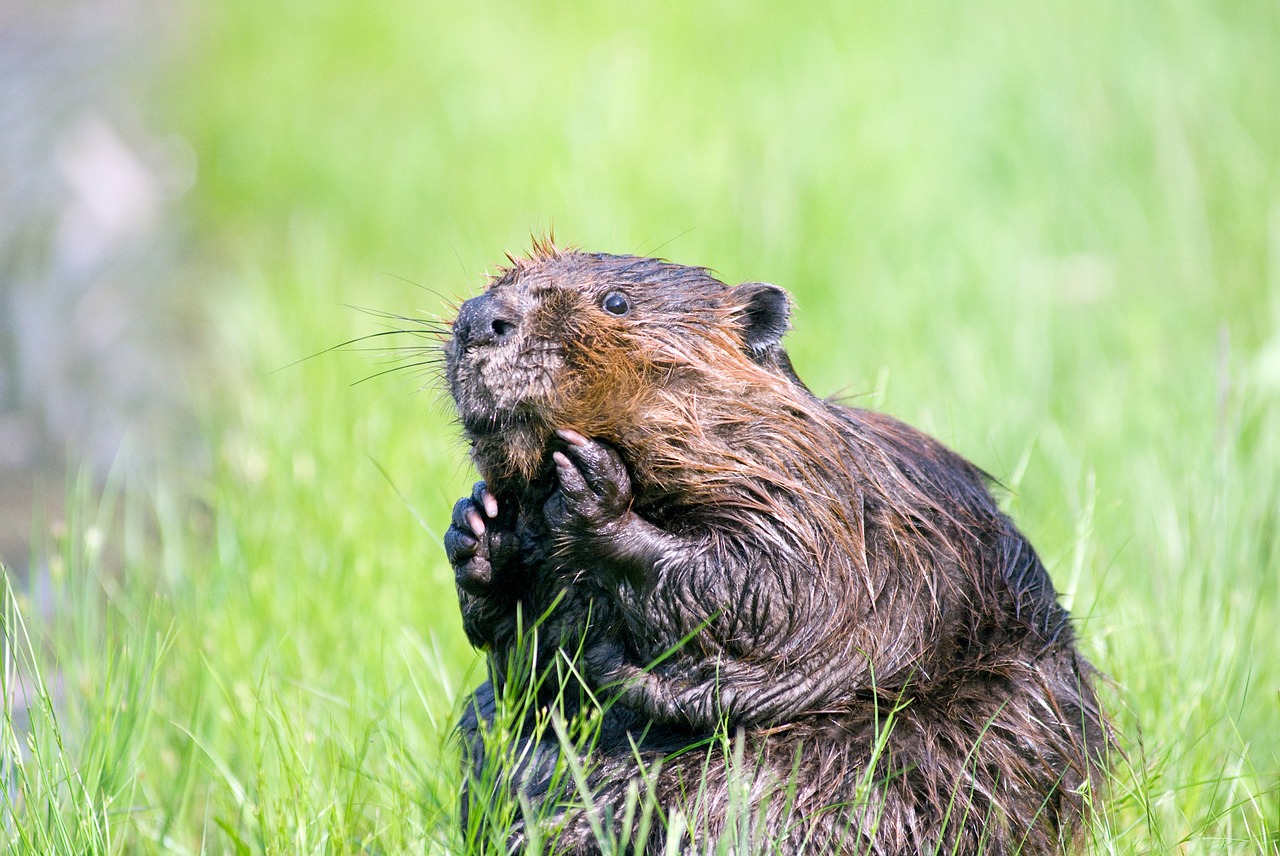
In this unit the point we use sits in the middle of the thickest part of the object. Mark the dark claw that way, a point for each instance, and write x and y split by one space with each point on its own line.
459 546
460 542
572 483
460 509
488 502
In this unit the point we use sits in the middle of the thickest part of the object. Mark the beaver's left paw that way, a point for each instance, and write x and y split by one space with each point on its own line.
595 490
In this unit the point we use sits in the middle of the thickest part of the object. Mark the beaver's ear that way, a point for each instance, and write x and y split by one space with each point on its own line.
766 314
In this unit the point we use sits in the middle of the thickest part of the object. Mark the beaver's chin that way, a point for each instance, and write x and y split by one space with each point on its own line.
509 446
490 424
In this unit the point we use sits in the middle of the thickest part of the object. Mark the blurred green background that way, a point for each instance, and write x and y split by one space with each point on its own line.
1048 233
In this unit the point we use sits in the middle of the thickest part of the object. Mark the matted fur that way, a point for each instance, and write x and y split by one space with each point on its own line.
790 570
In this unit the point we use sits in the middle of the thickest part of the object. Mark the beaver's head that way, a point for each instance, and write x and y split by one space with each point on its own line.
592 342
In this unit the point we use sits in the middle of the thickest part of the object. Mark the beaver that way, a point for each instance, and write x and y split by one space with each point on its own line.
785 619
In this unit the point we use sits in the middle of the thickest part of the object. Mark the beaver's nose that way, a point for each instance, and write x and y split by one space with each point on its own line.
484 320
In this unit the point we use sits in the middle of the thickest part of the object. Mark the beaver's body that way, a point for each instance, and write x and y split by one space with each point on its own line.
707 544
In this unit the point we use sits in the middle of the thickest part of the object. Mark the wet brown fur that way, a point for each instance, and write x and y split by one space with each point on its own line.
843 566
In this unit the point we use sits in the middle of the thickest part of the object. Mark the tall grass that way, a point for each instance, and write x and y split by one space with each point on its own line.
1049 234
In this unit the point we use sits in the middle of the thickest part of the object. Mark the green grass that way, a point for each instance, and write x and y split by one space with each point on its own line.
1048 233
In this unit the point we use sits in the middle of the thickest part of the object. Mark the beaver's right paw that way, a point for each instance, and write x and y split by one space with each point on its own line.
471 544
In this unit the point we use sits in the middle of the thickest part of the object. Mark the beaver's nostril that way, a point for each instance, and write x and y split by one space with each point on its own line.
484 320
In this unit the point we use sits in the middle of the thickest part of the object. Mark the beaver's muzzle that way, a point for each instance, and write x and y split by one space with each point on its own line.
485 320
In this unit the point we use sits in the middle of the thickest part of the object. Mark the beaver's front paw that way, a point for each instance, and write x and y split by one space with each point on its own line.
595 490
476 543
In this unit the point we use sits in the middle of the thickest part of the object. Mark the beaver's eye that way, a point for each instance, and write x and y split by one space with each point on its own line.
616 303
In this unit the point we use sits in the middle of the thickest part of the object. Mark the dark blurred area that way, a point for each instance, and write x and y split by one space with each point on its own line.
95 326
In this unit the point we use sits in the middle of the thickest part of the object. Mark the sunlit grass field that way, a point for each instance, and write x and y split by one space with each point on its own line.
1048 233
